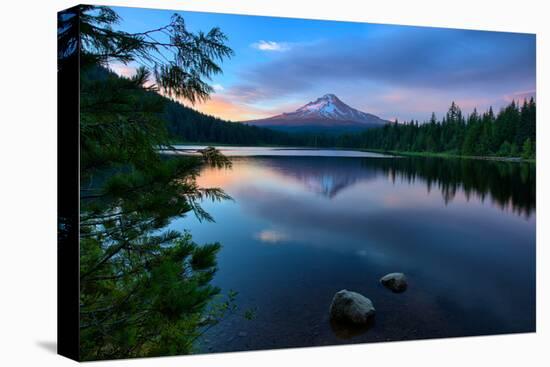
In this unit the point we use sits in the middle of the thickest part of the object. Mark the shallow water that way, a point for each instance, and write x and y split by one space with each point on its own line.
301 228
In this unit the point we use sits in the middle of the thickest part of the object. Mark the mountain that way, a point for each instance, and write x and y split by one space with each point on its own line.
326 114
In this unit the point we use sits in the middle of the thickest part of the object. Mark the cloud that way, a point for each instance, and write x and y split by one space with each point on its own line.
521 96
417 62
127 71
271 236
218 87
231 108
271 46
419 57
223 107
391 71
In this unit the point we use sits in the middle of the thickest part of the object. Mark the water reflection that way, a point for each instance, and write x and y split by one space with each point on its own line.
302 228
271 236
344 330
506 184
321 175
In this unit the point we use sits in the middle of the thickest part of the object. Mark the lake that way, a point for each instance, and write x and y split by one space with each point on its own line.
305 224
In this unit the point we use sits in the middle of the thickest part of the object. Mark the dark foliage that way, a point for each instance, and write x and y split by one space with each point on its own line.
511 186
144 290
511 133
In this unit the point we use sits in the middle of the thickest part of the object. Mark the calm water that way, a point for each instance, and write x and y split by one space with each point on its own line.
235 151
307 225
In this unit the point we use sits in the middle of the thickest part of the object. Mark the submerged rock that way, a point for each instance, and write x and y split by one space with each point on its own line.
397 282
207 320
351 307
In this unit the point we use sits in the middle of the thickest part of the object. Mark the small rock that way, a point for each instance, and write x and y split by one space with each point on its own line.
207 320
242 334
397 282
351 307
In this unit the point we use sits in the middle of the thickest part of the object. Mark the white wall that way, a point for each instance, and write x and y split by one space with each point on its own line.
28 182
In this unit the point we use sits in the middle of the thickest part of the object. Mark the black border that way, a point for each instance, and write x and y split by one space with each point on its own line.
68 199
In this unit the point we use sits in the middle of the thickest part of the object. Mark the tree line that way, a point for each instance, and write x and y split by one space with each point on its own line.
509 133
188 125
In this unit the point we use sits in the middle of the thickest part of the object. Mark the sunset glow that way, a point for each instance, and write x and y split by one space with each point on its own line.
392 71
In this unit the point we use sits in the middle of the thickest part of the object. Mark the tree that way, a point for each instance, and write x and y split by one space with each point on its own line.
505 149
144 290
528 151
181 65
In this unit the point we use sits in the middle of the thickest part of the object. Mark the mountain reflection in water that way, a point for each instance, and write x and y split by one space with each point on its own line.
302 228
508 185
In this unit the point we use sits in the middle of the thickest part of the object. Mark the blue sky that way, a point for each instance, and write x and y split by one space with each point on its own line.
393 71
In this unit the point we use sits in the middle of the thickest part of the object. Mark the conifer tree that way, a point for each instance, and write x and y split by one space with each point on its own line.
503 134
143 290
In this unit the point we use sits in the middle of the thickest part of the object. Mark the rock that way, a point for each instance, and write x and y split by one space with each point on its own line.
397 282
351 307
242 334
207 320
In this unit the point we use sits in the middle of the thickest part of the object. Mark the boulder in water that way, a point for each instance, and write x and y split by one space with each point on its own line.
351 307
397 282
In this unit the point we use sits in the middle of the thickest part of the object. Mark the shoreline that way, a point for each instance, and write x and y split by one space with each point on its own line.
453 156
392 152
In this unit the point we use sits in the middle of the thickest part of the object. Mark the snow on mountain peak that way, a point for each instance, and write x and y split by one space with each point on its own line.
325 103
329 107
327 110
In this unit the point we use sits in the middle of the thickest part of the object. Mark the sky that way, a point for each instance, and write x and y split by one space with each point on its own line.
392 71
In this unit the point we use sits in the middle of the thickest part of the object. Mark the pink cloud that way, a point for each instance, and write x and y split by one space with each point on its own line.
520 96
227 108
123 70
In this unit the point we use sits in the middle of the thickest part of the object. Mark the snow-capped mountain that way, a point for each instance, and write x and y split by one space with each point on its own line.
325 113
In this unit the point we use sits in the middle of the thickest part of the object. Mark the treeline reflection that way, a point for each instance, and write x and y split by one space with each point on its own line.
507 184
510 185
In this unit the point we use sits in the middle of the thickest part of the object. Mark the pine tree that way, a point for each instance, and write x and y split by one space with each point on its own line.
143 290
527 151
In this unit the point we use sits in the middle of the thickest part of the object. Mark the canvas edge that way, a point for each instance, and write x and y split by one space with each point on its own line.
68 203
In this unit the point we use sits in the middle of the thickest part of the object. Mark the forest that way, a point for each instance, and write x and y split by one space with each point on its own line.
188 125
509 133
